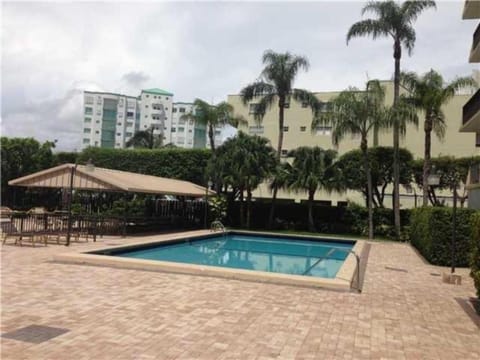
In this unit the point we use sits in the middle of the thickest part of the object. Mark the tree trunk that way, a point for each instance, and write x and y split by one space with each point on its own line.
364 147
241 208
249 202
271 216
311 223
211 137
397 54
426 157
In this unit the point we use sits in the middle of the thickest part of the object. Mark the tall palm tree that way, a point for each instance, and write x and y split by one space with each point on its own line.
393 20
212 116
275 85
357 113
146 139
309 169
429 93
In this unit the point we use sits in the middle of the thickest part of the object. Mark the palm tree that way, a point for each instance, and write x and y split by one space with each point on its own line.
393 20
212 116
146 139
428 94
275 85
309 173
357 113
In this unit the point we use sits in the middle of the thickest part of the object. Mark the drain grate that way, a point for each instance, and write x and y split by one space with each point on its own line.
35 333
396 269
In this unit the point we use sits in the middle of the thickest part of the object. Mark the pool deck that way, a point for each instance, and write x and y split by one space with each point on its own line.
404 312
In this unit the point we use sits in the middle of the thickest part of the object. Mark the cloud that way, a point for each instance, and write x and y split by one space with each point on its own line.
206 50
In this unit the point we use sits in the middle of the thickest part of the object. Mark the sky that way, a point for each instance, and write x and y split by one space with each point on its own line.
52 52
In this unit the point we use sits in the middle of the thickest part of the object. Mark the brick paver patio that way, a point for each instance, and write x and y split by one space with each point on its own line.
404 312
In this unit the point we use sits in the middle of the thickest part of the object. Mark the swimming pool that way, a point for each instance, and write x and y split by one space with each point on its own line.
253 252
243 255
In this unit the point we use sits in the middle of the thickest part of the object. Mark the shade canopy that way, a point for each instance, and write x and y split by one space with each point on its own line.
101 179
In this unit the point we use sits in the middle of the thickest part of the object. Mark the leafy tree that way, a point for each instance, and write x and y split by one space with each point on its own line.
429 93
212 116
242 163
20 157
350 166
146 139
275 86
452 172
357 113
309 173
394 20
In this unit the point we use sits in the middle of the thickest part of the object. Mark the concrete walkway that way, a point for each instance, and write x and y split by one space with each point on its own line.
404 312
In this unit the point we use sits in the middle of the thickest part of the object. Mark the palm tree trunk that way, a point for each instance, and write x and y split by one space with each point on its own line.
281 103
397 54
426 157
311 223
241 208
211 137
364 147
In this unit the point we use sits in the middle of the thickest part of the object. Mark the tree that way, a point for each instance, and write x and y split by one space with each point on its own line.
309 173
350 166
242 163
275 85
146 139
429 93
357 113
212 116
393 20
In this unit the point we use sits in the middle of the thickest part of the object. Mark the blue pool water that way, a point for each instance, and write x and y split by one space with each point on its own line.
261 253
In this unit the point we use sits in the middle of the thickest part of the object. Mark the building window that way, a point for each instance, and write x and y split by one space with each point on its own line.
99 112
159 97
166 109
181 129
120 102
252 130
128 134
88 120
191 122
86 141
477 140
182 110
303 128
174 110
118 144
87 131
217 132
323 130
120 115
96 143
129 114
146 106
88 110
286 105
284 152
89 100
98 121
146 116
285 129
129 124
174 130
147 95
119 124
97 132
189 130
166 98
304 104
154 97
99 100
118 134
254 109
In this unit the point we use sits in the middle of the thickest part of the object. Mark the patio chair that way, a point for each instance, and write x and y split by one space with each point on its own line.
9 231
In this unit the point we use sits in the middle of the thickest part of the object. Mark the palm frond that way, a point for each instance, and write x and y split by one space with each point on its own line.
256 89
412 9
368 27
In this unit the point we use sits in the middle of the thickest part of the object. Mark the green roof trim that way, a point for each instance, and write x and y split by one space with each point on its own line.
157 91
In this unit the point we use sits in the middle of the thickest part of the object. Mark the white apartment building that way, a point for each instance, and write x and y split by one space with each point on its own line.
111 119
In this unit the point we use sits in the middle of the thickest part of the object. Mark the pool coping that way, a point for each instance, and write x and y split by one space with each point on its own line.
344 279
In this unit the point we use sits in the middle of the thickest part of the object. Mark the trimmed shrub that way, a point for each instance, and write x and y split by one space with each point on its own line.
475 258
184 164
431 233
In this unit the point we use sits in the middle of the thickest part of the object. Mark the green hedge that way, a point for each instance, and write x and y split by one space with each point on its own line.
475 258
431 234
184 164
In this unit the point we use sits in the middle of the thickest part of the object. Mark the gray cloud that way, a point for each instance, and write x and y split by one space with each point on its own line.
205 50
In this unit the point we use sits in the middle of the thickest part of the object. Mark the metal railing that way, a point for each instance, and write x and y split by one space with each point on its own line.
471 107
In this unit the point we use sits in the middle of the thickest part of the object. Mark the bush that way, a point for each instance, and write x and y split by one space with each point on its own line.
184 164
431 234
475 258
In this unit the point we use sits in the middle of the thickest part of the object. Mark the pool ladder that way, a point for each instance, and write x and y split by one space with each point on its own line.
218 226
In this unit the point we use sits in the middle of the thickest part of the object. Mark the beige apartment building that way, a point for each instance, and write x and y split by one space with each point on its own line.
297 132
471 110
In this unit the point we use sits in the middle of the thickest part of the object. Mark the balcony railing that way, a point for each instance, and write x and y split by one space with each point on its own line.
471 107
475 174
476 37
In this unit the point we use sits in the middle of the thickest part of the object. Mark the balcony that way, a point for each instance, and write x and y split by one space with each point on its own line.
474 178
471 114
475 52
471 10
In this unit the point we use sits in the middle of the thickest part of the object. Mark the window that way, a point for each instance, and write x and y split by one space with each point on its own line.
254 109
191 122
217 132
181 129
174 130
97 132
120 115
118 144
145 126
285 129
157 106
99 112
98 121
128 134
129 124
174 110
118 134
130 105
88 110
323 130
284 152
88 120
99 100
154 97
89 100
252 130
286 105
120 102
189 130
119 124
87 131
147 95
303 128
146 106
166 109
165 128
86 141
96 143
159 97
166 98
146 116
129 114
182 110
